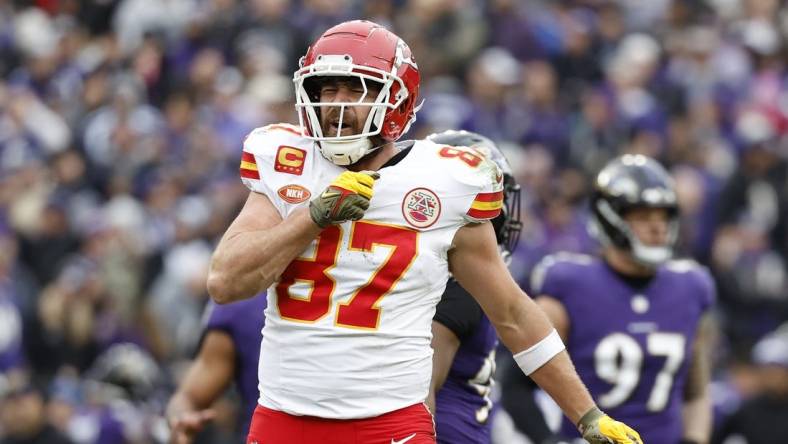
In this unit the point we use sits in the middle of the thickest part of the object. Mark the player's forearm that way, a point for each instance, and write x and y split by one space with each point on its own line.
527 327
247 262
696 414
520 323
560 380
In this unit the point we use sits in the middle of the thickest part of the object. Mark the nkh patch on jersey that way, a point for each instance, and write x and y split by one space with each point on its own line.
294 193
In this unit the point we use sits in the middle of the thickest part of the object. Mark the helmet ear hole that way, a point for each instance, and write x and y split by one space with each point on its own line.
406 105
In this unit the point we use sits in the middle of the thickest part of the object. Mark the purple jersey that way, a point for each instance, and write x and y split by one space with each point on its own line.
463 405
243 321
631 342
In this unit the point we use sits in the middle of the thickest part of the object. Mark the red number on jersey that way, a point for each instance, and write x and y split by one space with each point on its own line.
464 154
361 311
314 272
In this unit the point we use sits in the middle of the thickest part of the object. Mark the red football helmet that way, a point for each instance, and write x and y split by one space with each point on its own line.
368 52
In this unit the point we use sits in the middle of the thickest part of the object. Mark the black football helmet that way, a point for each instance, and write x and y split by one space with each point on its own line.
508 224
627 182
127 368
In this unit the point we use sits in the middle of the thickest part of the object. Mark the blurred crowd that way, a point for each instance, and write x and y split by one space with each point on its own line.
121 123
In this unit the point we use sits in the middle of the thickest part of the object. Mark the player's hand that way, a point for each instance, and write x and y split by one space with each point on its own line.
347 198
185 426
598 428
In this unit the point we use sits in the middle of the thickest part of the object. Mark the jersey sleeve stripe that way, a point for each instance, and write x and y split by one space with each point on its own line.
249 166
486 206
250 174
489 197
484 214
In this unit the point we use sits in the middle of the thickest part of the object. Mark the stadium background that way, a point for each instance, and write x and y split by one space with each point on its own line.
121 123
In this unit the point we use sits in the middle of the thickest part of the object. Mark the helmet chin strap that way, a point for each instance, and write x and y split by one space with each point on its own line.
350 151
346 152
651 257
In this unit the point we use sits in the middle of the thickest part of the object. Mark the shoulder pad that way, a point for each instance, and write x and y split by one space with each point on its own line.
683 265
470 167
268 138
700 276
479 174
272 148
547 263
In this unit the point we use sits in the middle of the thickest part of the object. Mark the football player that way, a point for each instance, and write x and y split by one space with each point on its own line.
463 339
635 320
124 386
229 351
352 279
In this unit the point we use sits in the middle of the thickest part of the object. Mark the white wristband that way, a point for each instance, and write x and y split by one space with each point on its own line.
538 354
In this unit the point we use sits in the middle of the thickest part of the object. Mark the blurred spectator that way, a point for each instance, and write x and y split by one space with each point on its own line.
49 241
762 418
443 34
11 355
23 416
545 121
594 136
752 237
179 294
490 86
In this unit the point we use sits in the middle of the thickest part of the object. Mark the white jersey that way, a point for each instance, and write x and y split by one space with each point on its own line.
348 325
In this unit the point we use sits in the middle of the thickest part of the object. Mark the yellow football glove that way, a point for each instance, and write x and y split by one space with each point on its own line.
346 198
598 428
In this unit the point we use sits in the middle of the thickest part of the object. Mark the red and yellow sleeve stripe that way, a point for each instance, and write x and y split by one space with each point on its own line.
249 166
486 205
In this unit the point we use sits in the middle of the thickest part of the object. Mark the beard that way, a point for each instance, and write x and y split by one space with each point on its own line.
329 123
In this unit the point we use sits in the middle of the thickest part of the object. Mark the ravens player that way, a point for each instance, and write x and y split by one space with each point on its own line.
634 320
463 339
228 352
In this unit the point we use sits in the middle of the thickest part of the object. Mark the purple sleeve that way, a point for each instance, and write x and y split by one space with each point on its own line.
220 317
237 319
707 292
216 317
